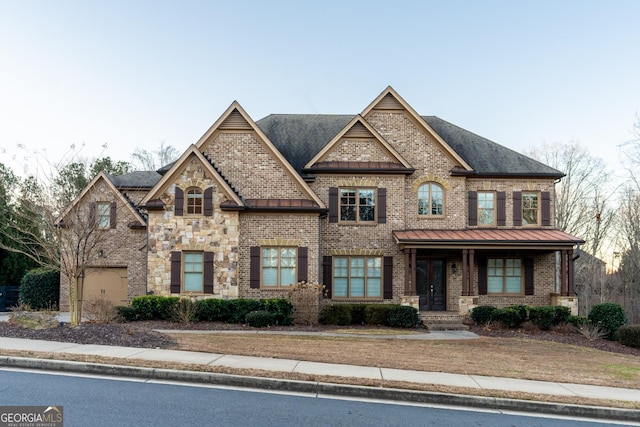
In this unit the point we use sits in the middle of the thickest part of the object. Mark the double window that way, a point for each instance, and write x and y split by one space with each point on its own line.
279 266
430 199
357 277
504 276
357 204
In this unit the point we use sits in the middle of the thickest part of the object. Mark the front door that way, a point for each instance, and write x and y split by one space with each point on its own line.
431 284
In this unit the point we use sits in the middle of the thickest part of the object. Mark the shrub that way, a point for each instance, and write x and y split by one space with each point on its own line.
482 314
100 310
281 308
609 316
336 314
629 335
591 332
40 289
577 321
403 316
25 317
260 318
184 311
543 317
127 313
358 314
306 300
377 314
154 307
212 310
562 314
238 309
511 316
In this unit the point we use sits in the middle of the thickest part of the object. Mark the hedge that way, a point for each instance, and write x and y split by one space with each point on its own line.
40 289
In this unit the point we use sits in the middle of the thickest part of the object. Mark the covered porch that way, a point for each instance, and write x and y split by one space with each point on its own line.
446 270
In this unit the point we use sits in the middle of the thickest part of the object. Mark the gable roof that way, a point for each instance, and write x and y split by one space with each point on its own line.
300 137
108 179
359 127
177 167
136 180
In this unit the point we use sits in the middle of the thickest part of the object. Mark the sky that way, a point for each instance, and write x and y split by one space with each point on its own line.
113 76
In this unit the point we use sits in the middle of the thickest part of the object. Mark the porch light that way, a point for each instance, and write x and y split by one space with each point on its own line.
454 268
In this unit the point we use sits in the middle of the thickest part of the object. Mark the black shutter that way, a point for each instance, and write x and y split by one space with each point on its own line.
546 208
303 266
333 204
528 276
473 208
208 272
112 215
388 278
208 201
92 214
327 274
501 209
482 276
382 205
179 202
254 268
176 271
517 208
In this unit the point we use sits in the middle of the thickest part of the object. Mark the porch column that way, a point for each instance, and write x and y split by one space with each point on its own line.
563 273
465 273
472 253
413 290
407 272
570 281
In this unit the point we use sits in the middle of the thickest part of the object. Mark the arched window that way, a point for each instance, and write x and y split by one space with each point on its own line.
430 199
194 201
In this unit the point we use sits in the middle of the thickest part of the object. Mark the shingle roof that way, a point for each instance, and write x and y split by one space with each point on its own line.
138 179
299 137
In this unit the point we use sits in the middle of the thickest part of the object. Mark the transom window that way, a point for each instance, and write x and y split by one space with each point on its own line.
504 276
358 204
194 201
486 207
104 214
279 266
530 204
430 199
193 272
357 277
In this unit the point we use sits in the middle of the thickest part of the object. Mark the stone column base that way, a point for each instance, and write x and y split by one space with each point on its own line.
564 301
466 304
411 300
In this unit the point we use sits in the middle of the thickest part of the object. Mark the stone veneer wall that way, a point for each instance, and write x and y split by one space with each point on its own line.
218 234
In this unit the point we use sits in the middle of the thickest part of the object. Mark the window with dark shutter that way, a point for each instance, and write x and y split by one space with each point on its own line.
528 276
327 274
92 213
112 215
473 208
208 202
176 271
254 269
388 278
482 276
517 208
501 214
333 204
382 205
545 197
208 272
179 202
303 266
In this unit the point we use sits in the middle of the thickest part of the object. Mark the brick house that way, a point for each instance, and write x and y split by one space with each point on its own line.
382 206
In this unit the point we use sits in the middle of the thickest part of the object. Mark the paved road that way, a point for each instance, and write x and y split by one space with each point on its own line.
94 401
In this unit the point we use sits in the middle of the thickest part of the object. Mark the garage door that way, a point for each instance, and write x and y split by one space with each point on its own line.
108 283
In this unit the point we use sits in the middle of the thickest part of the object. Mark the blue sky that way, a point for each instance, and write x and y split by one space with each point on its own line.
137 73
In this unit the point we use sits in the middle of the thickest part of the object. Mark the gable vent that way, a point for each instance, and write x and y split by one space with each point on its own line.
389 102
235 121
358 131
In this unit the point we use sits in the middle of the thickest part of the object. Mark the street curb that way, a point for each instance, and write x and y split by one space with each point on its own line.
322 388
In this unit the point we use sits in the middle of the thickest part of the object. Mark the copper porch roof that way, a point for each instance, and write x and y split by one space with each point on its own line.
547 238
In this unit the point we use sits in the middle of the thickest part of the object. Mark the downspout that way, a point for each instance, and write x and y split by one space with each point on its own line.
319 248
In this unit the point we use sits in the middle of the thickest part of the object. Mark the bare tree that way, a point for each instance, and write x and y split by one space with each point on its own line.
143 159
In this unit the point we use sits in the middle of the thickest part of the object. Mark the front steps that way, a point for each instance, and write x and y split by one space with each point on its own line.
444 320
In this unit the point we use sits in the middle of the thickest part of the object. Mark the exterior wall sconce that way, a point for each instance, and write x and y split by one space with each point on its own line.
454 268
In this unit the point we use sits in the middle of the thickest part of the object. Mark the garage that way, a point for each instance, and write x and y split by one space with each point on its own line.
110 283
